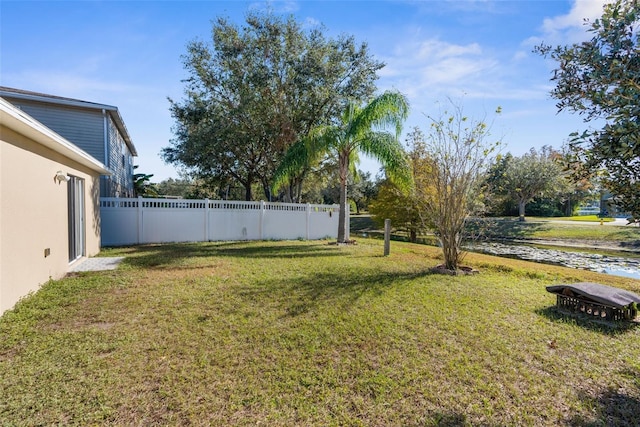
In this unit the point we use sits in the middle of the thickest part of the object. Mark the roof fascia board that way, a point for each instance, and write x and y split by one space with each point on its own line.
55 100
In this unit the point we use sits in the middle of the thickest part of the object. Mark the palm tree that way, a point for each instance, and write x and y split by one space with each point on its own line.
360 130
142 185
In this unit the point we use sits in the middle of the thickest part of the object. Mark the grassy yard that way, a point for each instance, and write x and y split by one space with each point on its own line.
534 228
581 218
548 229
307 333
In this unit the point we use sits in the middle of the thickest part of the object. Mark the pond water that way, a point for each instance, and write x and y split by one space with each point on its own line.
615 265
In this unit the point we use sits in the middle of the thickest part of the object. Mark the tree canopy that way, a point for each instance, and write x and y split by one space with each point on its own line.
600 79
253 91
528 176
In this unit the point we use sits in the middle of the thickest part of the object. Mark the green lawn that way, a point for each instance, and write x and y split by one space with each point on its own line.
307 333
581 218
532 228
535 228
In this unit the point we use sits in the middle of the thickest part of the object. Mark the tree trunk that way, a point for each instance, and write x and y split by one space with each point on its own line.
299 190
267 190
450 251
521 205
343 218
247 190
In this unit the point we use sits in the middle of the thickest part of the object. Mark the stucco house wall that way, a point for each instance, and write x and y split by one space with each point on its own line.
34 212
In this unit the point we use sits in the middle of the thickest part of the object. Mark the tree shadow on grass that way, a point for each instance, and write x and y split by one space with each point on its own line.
267 250
633 245
170 255
361 223
613 408
449 419
305 294
502 228
607 328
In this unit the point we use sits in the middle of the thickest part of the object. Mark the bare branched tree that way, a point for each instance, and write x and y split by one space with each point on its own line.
458 151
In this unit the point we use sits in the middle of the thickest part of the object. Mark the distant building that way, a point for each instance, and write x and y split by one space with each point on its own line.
604 206
97 129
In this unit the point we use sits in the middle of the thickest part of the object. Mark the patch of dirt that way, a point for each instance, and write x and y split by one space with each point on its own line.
348 242
462 270
79 324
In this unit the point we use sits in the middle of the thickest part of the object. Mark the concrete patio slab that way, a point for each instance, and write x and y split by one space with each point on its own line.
97 264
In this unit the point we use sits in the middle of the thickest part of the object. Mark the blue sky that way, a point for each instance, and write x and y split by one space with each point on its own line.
476 52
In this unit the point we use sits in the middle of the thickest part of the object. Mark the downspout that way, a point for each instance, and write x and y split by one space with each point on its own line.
105 126
106 138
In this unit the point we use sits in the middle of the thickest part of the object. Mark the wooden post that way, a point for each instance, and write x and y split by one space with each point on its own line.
387 236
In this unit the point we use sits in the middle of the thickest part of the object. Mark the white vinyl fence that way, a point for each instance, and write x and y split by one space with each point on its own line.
139 221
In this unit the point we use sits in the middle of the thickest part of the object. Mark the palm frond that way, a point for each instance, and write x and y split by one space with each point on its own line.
389 109
354 160
303 154
385 148
295 160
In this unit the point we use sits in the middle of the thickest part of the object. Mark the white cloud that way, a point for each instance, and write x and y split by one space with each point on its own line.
437 49
68 84
569 28
311 23
277 6
581 10
434 68
520 55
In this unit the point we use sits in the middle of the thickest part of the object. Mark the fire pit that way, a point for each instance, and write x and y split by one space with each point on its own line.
596 300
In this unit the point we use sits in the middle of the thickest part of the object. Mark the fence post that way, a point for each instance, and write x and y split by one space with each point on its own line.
337 214
387 236
308 220
140 220
347 228
206 220
261 225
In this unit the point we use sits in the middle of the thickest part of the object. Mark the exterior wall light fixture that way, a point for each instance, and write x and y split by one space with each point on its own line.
61 176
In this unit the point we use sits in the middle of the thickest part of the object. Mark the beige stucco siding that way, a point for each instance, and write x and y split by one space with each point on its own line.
34 217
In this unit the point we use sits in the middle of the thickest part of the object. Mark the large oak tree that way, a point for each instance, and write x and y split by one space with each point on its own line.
254 90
